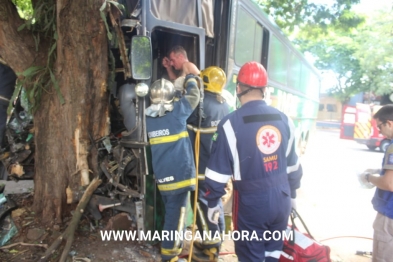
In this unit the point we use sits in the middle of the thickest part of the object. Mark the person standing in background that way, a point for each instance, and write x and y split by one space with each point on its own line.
382 201
7 87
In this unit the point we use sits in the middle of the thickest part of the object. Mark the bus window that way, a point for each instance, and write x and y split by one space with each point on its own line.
249 36
295 72
306 74
278 61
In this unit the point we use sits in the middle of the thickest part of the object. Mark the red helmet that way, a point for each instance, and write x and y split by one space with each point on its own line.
252 74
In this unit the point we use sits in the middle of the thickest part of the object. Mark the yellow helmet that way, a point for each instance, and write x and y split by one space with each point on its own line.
214 79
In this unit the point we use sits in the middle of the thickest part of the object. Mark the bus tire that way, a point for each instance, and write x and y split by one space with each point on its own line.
384 145
372 147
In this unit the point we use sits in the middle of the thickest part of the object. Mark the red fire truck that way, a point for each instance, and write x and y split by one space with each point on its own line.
358 124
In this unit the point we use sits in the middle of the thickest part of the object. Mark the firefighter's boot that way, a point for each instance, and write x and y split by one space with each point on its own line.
199 246
206 255
175 259
228 224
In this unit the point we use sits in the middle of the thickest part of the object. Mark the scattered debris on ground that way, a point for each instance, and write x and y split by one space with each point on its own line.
32 239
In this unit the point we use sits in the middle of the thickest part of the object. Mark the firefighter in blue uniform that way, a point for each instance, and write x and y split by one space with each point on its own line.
172 157
214 109
254 146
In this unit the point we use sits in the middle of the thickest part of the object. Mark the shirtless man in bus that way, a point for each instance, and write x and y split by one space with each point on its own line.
178 60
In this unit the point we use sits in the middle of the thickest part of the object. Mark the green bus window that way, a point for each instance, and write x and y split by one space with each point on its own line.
295 72
249 36
306 77
278 62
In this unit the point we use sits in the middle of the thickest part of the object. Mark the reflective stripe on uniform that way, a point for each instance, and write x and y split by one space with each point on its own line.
168 139
171 252
213 175
275 254
203 130
201 176
232 142
293 168
177 185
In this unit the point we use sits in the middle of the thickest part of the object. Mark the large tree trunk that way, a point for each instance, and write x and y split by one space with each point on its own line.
64 132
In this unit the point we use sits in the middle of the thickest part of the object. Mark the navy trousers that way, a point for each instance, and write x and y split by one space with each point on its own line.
173 205
262 214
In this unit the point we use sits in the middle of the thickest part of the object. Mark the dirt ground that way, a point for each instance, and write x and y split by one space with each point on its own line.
87 245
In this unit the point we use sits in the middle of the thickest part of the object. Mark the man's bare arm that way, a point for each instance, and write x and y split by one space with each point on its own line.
190 68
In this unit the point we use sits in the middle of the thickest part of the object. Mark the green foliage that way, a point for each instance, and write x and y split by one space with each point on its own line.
361 59
291 14
337 53
41 21
375 53
25 8
355 47
103 10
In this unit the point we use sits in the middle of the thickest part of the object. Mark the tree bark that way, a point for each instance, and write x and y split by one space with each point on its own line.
63 132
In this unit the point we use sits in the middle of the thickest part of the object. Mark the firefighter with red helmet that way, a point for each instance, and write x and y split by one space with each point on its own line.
255 147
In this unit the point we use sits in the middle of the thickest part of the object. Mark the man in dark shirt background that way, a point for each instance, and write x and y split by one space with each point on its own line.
7 87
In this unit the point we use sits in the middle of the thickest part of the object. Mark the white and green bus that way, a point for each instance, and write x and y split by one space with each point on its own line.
224 33
228 34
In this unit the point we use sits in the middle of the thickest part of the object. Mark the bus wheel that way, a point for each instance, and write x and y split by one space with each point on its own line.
372 147
384 145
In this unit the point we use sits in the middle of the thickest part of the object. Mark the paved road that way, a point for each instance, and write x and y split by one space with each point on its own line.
331 201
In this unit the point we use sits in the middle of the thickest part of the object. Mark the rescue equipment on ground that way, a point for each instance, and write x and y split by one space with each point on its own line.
303 247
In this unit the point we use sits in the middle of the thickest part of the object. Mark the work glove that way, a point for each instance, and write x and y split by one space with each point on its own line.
213 213
362 178
373 171
293 203
179 83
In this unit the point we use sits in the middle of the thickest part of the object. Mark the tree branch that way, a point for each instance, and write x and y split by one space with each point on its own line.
68 234
24 244
17 48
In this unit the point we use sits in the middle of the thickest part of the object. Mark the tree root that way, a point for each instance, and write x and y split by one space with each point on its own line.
68 234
